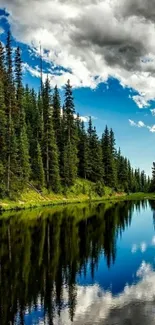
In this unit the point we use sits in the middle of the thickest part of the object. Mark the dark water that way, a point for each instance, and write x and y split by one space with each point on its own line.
79 265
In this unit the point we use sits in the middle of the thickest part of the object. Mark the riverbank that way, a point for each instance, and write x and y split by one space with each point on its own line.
79 193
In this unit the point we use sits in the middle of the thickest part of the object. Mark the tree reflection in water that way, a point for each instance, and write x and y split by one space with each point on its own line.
43 251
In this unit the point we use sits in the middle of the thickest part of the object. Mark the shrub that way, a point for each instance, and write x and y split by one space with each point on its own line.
99 188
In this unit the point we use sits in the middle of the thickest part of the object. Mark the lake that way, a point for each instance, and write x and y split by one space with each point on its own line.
78 264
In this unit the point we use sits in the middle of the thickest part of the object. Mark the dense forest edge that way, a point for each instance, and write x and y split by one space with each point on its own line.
47 156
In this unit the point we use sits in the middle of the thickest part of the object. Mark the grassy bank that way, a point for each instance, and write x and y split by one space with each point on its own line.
82 191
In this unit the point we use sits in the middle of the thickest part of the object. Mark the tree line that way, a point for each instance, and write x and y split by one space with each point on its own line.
47 143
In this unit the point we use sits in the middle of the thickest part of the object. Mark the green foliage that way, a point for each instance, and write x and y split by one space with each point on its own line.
99 188
47 145
70 164
2 182
152 182
24 155
38 169
108 159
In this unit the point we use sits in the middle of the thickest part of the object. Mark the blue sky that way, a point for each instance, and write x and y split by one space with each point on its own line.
110 65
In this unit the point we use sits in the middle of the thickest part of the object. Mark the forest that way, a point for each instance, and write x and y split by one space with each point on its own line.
44 142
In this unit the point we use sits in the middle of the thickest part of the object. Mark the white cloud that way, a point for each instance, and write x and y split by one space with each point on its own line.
141 101
151 128
141 124
35 72
96 306
132 123
143 247
134 248
153 241
93 40
85 119
144 269
152 111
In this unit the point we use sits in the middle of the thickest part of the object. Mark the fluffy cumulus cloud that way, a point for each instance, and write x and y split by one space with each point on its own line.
141 124
92 40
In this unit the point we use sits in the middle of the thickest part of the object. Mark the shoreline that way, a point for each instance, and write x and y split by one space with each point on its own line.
19 205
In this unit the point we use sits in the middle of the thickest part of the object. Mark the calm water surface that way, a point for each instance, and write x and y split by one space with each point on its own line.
79 265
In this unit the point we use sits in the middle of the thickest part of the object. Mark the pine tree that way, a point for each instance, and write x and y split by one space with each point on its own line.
3 148
39 144
51 162
57 116
24 155
152 185
143 181
40 118
122 172
2 61
8 102
83 153
69 113
108 161
97 170
21 130
70 138
114 156
70 164
38 169
9 58
89 153
148 184
138 180
19 91
129 177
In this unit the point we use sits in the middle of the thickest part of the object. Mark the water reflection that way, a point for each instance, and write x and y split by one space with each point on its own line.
47 255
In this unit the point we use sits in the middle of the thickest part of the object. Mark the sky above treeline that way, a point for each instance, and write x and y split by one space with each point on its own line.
107 50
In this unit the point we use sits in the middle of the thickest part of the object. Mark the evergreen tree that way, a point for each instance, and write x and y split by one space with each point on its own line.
39 143
69 113
70 138
3 148
38 170
89 153
122 173
108 160
24 155
9 58
51 162
70 164
40 118
143 181
138 180
152 185
21 130
2 61
57 116
113 156
83 152
19 118
97 170
8 102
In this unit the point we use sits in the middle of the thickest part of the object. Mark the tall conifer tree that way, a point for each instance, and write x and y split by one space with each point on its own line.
51 162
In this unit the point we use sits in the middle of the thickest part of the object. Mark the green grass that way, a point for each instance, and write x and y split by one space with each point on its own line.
78 193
